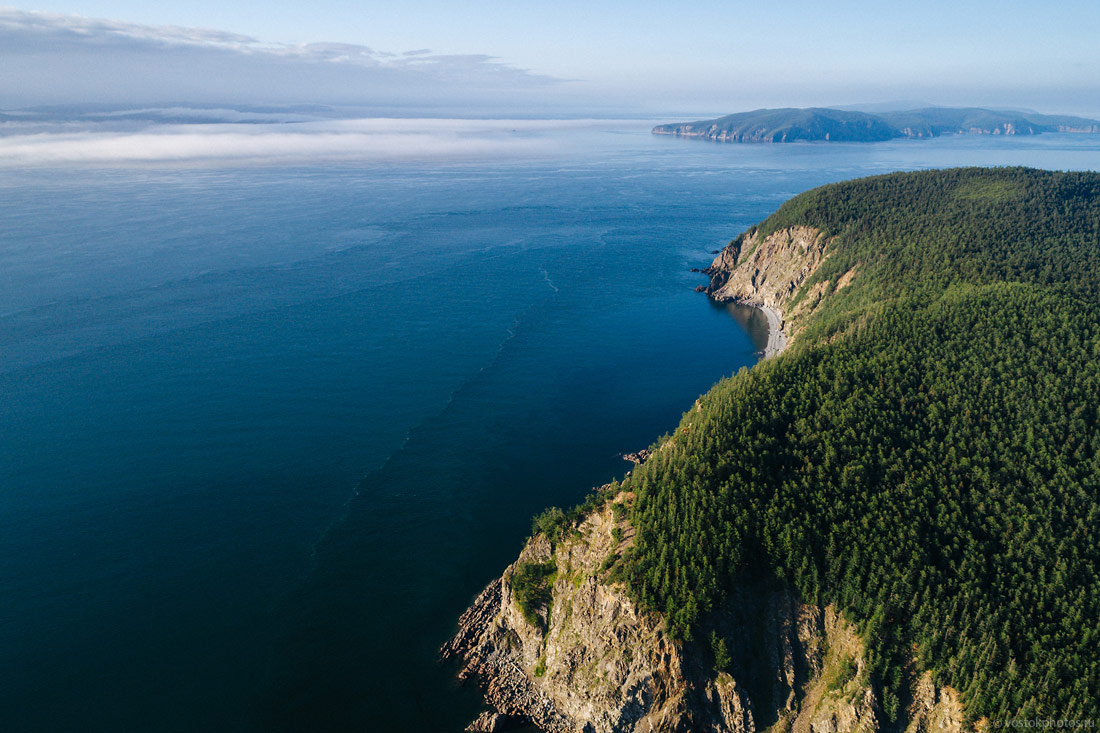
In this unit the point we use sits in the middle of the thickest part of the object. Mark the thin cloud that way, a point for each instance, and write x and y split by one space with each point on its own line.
49 59
75 28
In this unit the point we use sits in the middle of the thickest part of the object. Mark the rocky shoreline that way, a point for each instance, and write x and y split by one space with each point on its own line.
557 641
766 271
585 659
777 339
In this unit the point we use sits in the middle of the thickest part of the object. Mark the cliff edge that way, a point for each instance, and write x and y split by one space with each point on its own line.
768 271
556 641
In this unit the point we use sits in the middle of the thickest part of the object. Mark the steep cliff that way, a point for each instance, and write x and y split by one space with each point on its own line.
769 271
585 658
576 654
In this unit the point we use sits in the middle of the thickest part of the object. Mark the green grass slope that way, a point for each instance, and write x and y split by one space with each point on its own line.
927 455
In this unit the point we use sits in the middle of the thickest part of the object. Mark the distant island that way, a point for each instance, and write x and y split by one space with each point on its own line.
835 125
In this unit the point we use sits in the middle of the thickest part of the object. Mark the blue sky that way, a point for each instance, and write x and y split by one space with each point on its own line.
567 56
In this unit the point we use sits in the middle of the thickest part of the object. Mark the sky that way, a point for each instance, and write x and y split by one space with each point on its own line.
568 57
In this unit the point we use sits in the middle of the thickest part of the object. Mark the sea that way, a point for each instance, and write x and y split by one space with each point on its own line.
267 428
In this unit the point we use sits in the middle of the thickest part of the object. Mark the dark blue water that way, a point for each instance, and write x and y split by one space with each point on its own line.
265 432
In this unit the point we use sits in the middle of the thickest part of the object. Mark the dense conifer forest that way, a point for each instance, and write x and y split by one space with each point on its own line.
925 455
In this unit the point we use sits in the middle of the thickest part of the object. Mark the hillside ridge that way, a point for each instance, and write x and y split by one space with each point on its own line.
833 125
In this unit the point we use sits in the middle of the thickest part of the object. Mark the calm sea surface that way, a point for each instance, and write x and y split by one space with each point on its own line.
265 432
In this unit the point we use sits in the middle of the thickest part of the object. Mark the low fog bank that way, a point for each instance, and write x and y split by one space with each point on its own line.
225 136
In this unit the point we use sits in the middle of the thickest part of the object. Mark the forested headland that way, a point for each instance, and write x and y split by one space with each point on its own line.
926 454
835 125
894 524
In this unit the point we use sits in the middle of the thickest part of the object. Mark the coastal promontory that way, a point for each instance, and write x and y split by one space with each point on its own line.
891 525
835 125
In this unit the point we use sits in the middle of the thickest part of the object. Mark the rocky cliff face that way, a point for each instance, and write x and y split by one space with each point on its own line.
584 660
581 657
769 272
1080 128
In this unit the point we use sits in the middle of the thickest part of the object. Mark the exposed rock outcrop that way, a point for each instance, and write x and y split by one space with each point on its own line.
493 723
934 708
639 458
767 271
584 658
589 661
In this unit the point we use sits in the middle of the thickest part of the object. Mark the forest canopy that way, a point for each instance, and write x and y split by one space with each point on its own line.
926 455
